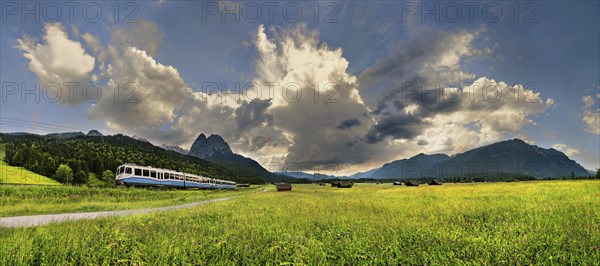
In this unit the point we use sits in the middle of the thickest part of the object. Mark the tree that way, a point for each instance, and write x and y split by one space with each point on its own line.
107 175
36 168
17 158
598 173
63 174
80 178
572 175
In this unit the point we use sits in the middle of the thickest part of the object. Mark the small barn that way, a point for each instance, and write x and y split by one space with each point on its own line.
397 183
412 184
435 183
342 184
283 187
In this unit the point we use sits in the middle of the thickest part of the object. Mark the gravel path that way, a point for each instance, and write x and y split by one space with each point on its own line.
35 220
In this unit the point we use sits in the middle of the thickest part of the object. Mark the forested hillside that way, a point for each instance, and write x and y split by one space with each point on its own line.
97 154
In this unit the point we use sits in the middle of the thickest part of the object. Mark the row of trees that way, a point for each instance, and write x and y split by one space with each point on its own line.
64 174
54 157
454 179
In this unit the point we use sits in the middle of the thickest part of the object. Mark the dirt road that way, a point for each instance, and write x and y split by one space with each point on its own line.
35 220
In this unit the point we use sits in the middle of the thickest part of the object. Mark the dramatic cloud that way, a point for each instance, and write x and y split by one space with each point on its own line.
146 94
146 98
591 116
315 99
60 61
421 93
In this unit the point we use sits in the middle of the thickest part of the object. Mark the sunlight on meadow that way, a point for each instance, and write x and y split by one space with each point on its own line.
547 222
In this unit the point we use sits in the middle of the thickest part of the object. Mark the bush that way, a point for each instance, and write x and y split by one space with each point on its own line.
63 174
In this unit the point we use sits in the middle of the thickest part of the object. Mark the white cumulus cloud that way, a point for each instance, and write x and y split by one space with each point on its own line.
59 60
569 151
591 116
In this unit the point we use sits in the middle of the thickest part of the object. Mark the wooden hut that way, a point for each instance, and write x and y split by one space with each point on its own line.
435 183
342 184
412 183
283 187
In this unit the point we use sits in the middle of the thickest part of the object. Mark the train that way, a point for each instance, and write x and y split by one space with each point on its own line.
129 174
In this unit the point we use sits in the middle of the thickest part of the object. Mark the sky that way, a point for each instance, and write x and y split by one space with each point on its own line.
349 84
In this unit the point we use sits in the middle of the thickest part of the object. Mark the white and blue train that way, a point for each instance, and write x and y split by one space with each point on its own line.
135 175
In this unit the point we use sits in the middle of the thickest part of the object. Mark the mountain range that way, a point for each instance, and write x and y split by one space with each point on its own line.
175 148
510 157
505 158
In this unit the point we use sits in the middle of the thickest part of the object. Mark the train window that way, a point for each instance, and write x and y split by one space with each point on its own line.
146 172
128 170
138 171
153 174
167 176
160 175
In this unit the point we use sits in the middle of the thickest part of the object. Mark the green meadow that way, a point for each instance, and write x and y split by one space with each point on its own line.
31 200
545 222
19 175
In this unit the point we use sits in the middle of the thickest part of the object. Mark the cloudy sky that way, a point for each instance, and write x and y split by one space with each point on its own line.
354 84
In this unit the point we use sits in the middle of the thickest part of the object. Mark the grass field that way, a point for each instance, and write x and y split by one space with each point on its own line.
29 200
550 222
19 175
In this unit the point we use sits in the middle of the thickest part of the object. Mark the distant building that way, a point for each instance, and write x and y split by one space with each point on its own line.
435 183
412 184
397 183
342 184
283 187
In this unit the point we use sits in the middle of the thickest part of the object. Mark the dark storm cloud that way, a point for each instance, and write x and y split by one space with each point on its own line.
252 114
413 77
348 123
396 126
257 143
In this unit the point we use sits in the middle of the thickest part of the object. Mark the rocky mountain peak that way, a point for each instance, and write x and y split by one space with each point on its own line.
205 147
94 133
